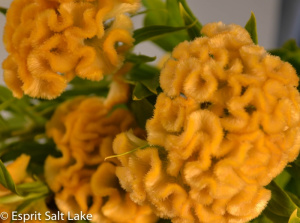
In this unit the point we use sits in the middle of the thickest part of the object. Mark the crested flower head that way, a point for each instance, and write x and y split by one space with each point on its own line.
227 123
83 130
49 42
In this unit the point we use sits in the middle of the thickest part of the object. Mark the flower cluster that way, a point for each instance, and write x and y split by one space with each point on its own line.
227 123
83 130
49 42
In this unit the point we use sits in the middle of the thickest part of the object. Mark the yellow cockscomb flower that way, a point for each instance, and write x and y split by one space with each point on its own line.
84 129
49 42
227 123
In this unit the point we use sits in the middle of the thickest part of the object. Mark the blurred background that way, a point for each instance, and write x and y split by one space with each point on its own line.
277 21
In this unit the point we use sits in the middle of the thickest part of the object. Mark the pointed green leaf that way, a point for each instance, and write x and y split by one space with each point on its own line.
251 28
3 10
142 110
6 179
155 31
140 92
138 59
281 206
295 217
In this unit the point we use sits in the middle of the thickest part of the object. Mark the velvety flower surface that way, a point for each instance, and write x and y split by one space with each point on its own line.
225 125
49 42
83 130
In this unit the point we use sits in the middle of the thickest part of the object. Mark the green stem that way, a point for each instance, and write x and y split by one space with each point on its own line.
190 13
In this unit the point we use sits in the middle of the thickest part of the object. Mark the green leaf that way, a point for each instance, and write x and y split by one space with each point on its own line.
13 198
3 10
33 187
138 59
294 186
140 92
155 31
142 72
194 31
156 13
190 20
6 179
281 206
251 28
261 219
165 13
295 217
38 152
142 110
282 179
21 191
146 80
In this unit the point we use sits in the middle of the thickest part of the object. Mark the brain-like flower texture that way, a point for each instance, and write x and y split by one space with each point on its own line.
49 42
83 130
225 125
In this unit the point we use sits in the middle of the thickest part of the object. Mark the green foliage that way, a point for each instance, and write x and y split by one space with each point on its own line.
281 206
251 28
289 52
262 219
138 59
295 217
190 20
165 14
154 32
142 110
145 79
3 10
6 179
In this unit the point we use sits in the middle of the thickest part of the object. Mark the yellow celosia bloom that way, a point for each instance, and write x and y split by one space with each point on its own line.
227 123
49 42
84 129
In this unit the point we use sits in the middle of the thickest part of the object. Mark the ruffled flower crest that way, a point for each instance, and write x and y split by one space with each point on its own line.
83 130
49 42
226 124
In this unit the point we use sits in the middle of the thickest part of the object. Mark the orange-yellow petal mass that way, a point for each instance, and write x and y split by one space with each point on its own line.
83 129
226 123
50 42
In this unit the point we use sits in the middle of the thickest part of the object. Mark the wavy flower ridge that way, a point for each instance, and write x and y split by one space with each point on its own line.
83 130
49 42
225 125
